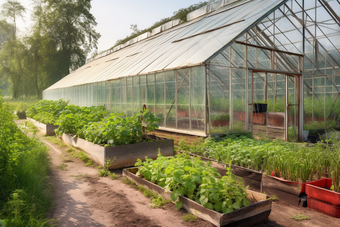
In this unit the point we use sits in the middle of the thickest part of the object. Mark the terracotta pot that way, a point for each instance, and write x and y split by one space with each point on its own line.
219 123
318 119
183 113
258 118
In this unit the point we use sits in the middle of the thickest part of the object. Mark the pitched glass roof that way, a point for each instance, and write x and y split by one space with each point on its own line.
187 44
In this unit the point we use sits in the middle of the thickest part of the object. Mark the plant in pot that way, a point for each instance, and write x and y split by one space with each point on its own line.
260 107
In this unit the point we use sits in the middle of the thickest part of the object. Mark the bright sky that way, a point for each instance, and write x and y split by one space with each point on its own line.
114 17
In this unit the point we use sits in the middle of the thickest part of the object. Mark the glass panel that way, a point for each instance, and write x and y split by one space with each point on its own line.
197 98
170 99
123 95
129 94
219 99
160 97
151 94
136 103
183 98
143 91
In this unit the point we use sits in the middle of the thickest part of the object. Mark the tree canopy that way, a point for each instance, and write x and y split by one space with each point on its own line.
62 35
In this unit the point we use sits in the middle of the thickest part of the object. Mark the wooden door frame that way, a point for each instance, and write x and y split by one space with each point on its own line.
298 81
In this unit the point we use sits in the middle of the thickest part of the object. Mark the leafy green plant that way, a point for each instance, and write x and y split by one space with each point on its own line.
300 217
196 180
221 117
47 111
106 172
189 218
25 194
116 130
73 119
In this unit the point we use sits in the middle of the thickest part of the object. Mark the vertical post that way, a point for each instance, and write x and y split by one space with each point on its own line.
209 98
126 92
246 89
110 96
154 92
146 93
252 103
190 99
132 95
164 112
300 98
286 108
231 112
205 100
325 93
176 93
266 98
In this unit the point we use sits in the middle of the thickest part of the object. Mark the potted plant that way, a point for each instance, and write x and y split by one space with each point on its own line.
260 107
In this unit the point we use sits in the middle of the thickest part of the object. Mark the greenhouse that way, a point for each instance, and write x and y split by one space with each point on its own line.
266 66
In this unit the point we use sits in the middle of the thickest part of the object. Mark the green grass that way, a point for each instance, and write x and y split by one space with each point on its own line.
274 198
55 140
300 217
155 199
30 190
81 155
189 218
62 167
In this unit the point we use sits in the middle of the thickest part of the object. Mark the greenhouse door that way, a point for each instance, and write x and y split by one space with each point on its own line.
274 105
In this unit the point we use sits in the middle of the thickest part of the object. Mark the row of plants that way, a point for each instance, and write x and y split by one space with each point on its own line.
117 130
46 111
25 192
291 161
93 124
195 180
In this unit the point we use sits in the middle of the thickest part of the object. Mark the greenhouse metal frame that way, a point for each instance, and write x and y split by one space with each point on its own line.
208 75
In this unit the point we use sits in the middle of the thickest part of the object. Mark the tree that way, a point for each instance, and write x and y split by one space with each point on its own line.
70 25
12 63
13 10
5 31
12 54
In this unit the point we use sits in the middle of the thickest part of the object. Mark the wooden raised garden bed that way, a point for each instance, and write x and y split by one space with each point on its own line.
280 184
250 215
123 155
47 129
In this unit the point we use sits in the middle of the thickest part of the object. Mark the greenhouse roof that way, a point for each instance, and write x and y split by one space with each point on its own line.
188 44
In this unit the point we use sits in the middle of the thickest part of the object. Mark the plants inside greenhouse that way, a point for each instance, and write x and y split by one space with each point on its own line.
293 162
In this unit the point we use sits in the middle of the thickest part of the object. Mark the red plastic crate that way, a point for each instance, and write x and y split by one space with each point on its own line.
323 207
317 190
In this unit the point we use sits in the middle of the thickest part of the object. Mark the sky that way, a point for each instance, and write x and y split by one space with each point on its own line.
115 17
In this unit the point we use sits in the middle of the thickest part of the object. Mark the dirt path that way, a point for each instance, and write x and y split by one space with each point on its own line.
84 199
